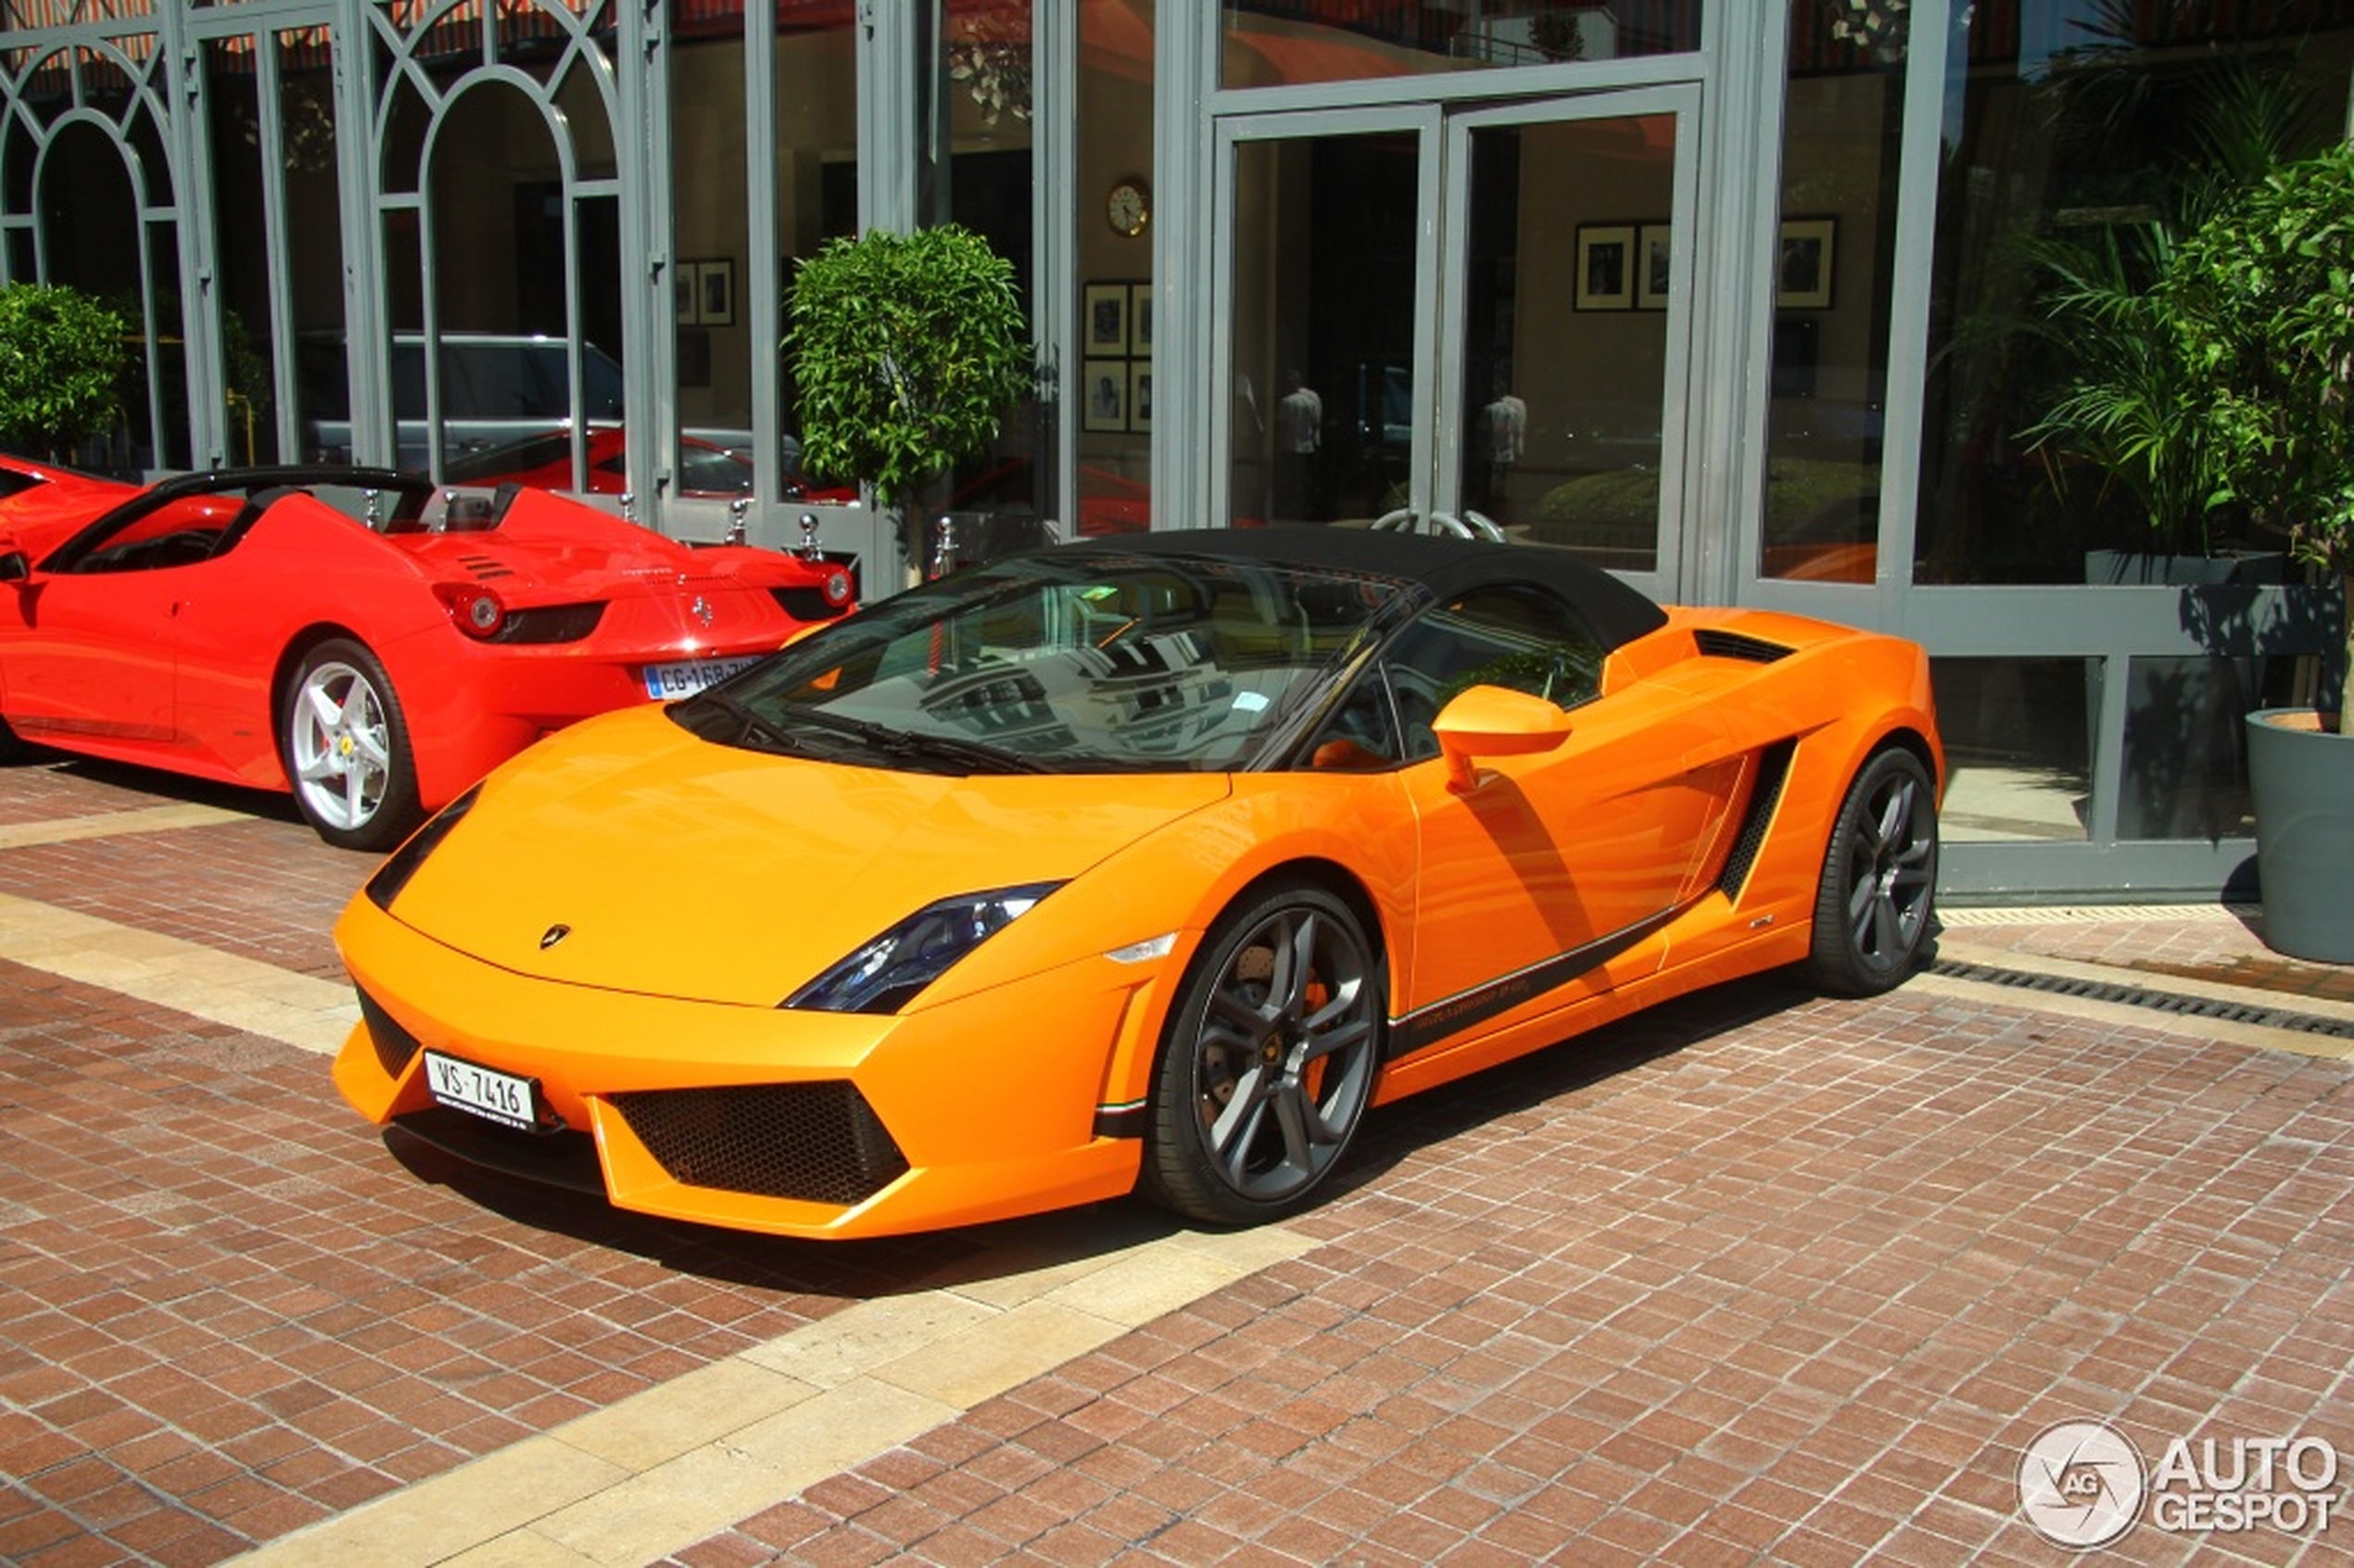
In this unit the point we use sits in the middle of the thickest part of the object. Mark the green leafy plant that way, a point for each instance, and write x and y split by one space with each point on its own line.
61 354
2260 301
2129 410
907 350
2126 431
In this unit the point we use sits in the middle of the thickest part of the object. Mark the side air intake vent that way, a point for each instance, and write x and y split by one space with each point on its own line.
1717 643
1773 772
395 1045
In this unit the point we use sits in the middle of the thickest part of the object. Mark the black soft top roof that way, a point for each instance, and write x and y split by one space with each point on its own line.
1447 566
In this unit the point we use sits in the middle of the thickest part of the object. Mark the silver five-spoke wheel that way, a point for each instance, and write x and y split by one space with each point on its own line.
347 748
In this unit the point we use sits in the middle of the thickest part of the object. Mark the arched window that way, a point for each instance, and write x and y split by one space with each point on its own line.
501 242
89 198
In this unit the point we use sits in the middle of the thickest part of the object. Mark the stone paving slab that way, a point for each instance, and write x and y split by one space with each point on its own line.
2222 943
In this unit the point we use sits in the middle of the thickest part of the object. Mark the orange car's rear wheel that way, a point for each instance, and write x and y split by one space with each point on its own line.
1873 908
1268 1060
345 749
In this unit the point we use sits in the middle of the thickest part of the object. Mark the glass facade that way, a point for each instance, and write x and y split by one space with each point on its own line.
1294 43
2081 138
1758 304
1835 286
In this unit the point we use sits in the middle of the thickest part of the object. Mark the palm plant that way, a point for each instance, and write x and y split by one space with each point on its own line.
2260 300
2128 408
2134 405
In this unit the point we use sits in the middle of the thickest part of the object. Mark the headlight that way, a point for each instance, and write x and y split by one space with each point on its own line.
888 973
394 874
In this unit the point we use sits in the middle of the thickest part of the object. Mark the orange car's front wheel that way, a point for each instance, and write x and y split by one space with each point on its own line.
1268 1060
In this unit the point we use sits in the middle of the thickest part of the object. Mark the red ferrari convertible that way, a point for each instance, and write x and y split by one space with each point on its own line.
355 635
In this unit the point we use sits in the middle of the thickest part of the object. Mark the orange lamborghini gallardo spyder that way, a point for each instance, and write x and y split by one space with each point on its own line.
1147 864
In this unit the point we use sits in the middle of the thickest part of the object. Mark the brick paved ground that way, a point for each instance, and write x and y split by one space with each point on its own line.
226 1310
1764 1280
1759 1278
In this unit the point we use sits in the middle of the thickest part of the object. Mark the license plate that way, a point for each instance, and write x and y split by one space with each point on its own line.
501 1096
689 676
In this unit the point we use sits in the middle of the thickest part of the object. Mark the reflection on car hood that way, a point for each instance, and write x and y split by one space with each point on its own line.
683 869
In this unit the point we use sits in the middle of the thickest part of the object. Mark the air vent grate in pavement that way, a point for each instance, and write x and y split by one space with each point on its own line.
2141 996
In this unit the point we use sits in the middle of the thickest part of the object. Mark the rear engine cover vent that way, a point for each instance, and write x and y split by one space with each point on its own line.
1717 643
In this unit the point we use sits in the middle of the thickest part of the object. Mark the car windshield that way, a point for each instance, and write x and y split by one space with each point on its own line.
1064 662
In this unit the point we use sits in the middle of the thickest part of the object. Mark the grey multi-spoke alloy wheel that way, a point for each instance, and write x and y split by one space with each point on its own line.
1268 1059
1874 908
345 749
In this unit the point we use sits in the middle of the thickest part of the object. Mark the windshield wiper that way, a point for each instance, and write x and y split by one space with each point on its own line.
742 726
901 745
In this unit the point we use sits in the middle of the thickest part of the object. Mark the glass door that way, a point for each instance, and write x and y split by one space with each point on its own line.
1471 321
1328 346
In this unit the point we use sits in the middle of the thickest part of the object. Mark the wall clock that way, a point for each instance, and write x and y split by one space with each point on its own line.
1129 207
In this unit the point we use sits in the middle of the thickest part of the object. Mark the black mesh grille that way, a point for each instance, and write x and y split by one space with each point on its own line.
550 623
1773 769
1719 644
395 1045
806 603
819 1143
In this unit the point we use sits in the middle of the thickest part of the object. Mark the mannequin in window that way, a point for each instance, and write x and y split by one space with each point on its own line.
1300 437
1504 431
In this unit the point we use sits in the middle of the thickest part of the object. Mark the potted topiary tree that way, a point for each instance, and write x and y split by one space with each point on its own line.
907 350
2260 296
61 353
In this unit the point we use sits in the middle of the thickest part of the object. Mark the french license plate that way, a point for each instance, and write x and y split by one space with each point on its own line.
501 1096
688 676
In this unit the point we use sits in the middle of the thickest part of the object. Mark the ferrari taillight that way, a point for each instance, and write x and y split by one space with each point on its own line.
837 588
476 611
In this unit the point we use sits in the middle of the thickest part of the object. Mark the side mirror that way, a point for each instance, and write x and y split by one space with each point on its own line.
14 567
1493 721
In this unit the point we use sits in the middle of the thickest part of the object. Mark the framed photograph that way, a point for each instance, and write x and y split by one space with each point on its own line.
1802 267
1654 253
1140 317
689 293
1605 267
1104 330
1139 395
714 293
1103 392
